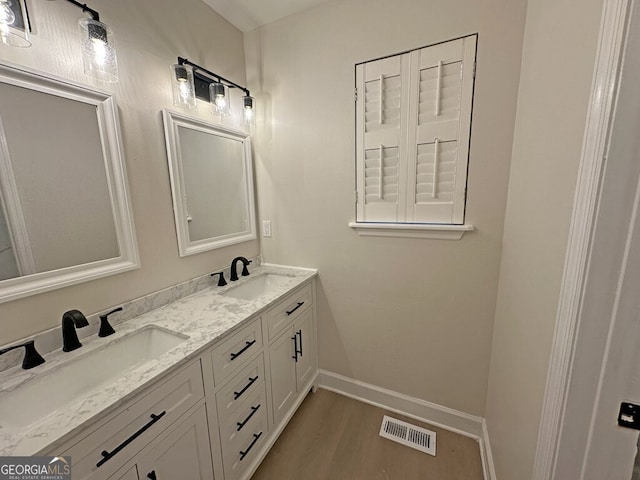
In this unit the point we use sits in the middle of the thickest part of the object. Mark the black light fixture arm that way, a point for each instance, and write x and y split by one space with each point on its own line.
95 15
220 79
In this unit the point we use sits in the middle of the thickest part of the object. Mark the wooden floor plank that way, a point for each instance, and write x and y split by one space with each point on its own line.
335 437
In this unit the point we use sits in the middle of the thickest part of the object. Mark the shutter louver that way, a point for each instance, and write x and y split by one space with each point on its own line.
443 165
439 85
382 103
381 177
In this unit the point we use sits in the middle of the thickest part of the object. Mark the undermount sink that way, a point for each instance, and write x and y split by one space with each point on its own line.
84 375
258 286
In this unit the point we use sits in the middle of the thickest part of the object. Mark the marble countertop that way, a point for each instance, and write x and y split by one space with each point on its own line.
204 317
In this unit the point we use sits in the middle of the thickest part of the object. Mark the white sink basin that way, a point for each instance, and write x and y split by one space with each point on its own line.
258 286
84 375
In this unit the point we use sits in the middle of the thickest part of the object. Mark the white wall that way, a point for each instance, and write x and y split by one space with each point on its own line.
150 34
557 66
414 316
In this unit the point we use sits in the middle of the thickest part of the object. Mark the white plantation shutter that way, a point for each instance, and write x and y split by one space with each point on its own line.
413 135
440 101
382 106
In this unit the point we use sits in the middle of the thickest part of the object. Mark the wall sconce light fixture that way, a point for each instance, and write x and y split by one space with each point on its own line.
98 53
96 38
191 81
14 29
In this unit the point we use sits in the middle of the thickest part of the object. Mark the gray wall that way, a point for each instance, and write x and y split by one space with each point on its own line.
411 315
557 68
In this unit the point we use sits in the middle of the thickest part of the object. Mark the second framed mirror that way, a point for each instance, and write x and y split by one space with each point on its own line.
211 183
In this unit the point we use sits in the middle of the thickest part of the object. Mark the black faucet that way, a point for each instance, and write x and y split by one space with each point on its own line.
31 356
234 271
70 321
105 327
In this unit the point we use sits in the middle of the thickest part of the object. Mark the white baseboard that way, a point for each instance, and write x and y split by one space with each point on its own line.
486 455
434 414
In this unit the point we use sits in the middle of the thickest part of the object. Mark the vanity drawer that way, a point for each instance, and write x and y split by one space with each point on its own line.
281 315
242 386
233 353
125 432
244 418
239 454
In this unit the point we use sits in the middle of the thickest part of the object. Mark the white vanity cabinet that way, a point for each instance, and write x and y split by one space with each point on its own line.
113 441
235 381
181 452
293 357
217 416
254 383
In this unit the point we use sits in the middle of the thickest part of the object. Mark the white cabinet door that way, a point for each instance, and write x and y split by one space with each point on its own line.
283 374
181 453
131 474
306 357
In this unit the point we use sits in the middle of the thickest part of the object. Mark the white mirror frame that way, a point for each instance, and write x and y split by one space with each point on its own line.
172 121
109 128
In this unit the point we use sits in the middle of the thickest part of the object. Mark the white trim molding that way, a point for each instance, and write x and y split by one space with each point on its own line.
581 230
411 230
488 467
416 408
437 415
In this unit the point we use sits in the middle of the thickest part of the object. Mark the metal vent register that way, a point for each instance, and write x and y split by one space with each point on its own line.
409 435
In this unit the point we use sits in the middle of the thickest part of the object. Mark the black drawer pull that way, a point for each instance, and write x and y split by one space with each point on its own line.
289 312
256 436
152 475
299 334
109 455
244 349
237 395
244 422
295 348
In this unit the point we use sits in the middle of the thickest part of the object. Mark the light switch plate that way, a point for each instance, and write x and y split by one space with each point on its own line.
266 228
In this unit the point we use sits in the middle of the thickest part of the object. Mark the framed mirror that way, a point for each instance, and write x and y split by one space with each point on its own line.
211 182
65 214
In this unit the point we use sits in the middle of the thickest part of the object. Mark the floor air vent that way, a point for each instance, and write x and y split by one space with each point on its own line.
409 435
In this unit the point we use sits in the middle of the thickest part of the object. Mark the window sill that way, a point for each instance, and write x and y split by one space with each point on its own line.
409 230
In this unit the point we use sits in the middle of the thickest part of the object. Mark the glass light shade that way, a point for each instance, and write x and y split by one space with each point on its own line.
249 113
220 99
9 33
98 52
184 90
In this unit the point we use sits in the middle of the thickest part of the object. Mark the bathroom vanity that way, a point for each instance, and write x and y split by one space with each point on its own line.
237 362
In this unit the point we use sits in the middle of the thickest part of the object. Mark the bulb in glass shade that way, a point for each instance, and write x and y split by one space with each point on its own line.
219 95
98 51
184 92
249 110
9 34
7 17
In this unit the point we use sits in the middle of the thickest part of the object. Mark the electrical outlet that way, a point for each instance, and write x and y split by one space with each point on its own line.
266 228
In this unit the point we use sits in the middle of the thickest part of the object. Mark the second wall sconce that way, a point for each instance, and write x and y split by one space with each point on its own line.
96 38
191 81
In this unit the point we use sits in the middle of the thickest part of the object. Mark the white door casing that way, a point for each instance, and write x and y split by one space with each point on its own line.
591 369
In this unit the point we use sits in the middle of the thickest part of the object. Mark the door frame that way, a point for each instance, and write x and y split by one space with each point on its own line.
566 341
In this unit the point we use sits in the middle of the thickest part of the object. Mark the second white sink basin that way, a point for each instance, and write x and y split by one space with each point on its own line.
83 375
258 286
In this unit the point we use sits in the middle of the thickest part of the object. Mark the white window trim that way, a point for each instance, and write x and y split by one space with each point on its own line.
415 230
